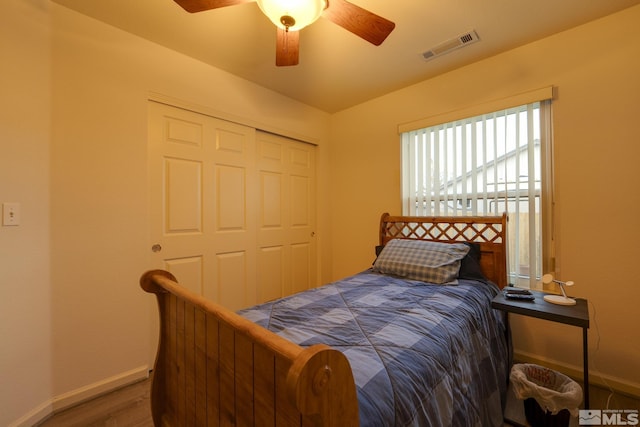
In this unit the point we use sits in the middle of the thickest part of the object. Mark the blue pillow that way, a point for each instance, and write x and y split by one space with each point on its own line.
433 262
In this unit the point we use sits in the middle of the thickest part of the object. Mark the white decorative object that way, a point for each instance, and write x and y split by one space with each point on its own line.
558 299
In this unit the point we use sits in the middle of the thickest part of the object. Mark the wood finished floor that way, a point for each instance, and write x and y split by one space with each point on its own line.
131 407
126 407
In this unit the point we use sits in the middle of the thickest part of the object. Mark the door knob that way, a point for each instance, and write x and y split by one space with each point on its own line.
156 248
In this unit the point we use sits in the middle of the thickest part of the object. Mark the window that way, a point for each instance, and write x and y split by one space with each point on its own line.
486 165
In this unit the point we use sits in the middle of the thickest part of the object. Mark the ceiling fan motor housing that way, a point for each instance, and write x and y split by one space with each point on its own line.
287 21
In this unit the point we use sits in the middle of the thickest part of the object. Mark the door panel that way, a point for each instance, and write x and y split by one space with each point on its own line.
301 266
300 208
271 208
231 287
184 132
271 268
231 200
188 270
183 196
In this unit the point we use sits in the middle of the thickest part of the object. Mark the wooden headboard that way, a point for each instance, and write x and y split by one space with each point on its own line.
490 232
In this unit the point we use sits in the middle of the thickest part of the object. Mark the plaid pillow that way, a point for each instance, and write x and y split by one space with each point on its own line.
433 262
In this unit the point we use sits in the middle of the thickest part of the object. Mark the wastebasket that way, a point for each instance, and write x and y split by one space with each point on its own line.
550 398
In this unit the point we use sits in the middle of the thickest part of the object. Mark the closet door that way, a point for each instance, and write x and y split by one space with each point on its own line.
286 216
203 199
232 209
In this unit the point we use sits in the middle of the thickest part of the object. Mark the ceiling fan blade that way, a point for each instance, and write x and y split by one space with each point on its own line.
194 6
287 47
359 21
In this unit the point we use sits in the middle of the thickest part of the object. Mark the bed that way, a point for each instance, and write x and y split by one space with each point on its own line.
376 348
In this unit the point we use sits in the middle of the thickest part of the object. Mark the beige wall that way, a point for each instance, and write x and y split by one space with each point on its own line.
74 132
595 68
25 287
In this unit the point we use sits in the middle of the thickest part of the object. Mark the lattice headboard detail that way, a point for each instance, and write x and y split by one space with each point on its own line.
489 232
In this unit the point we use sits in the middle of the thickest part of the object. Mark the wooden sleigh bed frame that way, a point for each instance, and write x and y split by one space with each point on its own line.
214 367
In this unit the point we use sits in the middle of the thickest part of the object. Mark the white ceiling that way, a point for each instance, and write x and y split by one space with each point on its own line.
338 69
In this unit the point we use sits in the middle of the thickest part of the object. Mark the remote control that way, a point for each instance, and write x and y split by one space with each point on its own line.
520 291
523 297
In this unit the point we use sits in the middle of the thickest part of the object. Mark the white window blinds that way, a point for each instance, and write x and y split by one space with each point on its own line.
486 165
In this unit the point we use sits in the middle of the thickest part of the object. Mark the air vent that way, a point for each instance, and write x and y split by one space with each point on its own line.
464 39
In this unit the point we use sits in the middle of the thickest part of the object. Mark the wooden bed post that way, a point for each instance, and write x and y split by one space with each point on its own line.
158 382
321 384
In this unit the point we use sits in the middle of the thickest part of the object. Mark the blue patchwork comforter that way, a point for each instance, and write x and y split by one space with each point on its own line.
421 354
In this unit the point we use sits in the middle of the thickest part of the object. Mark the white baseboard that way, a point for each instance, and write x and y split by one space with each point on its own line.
595 377
80 395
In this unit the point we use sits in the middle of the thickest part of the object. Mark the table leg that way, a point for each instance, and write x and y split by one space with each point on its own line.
585 367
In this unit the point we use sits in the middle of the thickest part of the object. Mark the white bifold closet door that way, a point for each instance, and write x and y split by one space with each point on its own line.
232 208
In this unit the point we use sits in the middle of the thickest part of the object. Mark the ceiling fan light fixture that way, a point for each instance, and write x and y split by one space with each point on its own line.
292 15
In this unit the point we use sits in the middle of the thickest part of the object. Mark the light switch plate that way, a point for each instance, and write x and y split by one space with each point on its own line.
10 213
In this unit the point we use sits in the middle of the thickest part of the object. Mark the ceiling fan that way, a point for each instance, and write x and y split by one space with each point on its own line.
290 16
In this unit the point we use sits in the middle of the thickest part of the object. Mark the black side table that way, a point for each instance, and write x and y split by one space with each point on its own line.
576 315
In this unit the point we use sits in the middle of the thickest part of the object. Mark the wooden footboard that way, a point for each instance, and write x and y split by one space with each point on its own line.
216 368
